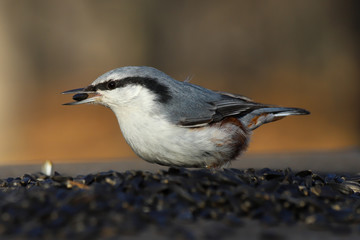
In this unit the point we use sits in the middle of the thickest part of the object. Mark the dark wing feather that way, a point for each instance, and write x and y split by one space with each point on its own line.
238 108
194 122
235 105
237 96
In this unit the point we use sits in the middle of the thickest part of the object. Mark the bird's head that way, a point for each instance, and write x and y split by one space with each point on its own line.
126 86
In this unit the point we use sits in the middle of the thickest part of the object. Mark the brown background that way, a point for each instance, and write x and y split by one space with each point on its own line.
290 53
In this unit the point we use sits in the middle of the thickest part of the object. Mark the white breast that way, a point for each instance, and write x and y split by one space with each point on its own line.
157 140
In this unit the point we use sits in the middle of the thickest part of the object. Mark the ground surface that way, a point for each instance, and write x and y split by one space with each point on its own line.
108 200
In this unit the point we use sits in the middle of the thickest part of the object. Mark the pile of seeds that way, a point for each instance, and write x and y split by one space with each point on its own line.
110 204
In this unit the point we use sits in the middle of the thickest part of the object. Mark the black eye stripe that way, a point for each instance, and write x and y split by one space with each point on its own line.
111 85
90 88
152 84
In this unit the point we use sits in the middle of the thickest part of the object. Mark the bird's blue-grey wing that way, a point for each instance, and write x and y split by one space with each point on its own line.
217 111
251 114
195 106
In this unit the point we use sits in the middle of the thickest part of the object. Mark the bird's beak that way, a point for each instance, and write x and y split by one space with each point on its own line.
82 96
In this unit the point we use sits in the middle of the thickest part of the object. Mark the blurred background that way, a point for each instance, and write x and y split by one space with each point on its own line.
290 53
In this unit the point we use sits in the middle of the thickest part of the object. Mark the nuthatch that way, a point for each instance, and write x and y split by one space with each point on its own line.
177 123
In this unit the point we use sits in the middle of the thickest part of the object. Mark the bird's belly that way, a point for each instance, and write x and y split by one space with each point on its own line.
167 144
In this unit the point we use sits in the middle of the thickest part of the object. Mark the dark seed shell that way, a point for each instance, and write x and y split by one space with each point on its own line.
80 96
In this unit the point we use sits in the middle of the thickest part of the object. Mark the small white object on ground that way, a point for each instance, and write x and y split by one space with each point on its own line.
47 168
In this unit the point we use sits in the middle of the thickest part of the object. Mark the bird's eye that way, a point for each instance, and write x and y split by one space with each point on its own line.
111 85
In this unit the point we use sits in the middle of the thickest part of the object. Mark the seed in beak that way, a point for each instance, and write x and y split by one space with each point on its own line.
80 96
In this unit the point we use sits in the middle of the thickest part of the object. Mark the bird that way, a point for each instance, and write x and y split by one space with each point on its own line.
178 123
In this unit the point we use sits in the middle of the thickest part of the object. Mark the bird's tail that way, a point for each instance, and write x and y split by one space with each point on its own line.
264 115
